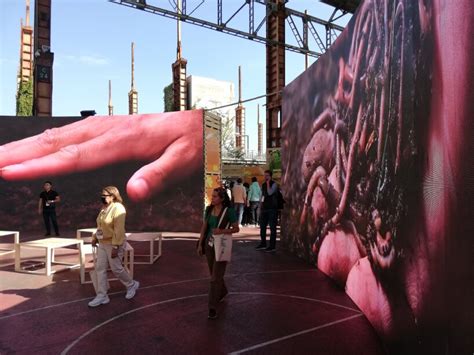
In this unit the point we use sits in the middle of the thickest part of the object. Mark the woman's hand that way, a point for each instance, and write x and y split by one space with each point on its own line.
217 231
199 248
94 241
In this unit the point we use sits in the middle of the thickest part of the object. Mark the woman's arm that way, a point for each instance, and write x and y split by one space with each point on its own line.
201 238
203 231
234 228
119 226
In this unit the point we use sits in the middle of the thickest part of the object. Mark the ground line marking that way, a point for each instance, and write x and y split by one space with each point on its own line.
153 286
289 336
100 325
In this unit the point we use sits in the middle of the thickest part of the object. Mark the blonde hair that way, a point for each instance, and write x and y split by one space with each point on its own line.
112 190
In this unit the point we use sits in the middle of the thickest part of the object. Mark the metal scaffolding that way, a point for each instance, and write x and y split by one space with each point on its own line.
301 24
275 16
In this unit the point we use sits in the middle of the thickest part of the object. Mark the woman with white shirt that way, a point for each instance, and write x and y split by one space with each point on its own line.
110 237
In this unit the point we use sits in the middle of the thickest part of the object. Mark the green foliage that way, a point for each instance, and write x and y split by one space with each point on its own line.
168 98
24 99
228 138
235 152
275 161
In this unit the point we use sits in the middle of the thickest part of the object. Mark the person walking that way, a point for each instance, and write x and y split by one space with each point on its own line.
255 194
47 207
268 213
110 237
220 204
239 197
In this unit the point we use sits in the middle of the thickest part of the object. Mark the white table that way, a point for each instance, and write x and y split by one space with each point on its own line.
16 236
87 248
150 237
90 231
128 257
49 245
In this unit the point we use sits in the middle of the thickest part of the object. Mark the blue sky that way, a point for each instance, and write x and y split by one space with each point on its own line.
91 43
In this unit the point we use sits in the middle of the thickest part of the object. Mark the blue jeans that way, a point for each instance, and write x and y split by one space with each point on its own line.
239 209
254 212
268 217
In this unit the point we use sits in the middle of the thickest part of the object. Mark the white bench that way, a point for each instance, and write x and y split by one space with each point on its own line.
49 245
152 238
128 256
16 236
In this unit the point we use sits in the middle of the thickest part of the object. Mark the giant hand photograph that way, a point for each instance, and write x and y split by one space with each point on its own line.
152 157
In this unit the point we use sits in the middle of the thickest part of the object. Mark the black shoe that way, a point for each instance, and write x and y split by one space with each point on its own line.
47 234
270 250
212 314
261 247
57 234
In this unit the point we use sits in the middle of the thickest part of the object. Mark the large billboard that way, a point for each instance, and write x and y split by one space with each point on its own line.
155 160
377 160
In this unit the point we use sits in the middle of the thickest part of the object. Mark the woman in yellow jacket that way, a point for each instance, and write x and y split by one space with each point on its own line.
110 236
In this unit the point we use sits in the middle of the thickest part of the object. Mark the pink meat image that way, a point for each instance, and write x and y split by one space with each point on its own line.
378 168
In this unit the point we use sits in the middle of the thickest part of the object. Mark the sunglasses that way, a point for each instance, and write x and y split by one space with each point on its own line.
105 195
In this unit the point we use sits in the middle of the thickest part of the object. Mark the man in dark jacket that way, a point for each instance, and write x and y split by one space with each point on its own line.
268 213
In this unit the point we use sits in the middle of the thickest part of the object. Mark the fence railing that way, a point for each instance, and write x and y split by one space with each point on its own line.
251 155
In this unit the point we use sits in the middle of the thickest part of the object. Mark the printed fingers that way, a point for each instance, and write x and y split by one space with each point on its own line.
73 158
181 159
53 139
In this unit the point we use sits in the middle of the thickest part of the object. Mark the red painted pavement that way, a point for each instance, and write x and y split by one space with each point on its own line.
277 305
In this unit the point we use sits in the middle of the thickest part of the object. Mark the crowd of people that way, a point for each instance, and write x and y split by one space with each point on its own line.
232 206
247 199
257 206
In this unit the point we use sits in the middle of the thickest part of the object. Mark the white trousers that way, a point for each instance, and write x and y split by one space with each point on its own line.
104 260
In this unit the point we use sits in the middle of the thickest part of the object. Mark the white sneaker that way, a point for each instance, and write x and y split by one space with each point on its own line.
132 290
98 300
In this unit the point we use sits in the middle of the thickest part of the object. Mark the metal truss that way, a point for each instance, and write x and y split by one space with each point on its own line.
301 24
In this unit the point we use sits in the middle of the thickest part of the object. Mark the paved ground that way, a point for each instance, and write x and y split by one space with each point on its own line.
278 305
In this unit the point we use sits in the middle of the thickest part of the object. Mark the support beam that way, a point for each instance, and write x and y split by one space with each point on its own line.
240 119
110 106
43 60
133 94
275 56
25 72
180 92
221 25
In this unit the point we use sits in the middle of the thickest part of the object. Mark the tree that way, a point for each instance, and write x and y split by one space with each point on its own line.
168 98
24 99
228 138
227 132
275 160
